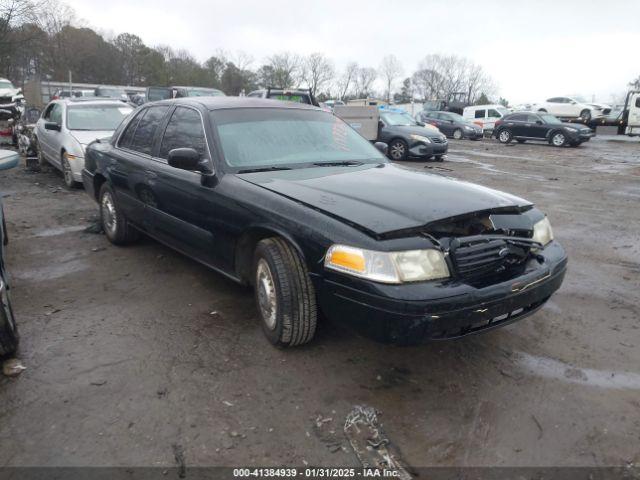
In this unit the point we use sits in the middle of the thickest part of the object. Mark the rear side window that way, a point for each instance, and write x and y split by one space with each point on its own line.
184 130
146 129
533 118
517 118
480 113
125 139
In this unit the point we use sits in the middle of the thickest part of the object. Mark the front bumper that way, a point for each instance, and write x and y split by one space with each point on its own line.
473 134
420 149
412 313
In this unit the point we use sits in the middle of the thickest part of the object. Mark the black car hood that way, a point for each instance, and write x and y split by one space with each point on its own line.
384 198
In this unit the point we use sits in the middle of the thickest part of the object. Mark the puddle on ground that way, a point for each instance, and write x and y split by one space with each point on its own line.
51 272
52 232
490 168
555 369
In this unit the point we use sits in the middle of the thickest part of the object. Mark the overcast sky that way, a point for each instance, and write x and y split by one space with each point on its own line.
533 49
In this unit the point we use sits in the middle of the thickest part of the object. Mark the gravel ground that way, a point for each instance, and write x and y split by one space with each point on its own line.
138 355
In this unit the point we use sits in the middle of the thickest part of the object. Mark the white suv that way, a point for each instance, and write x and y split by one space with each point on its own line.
568 107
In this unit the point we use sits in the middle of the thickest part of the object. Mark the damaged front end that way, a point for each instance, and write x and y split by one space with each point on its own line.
502 267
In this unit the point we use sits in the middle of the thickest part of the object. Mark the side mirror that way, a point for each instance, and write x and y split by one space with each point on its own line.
572 102
52 126
538 122
382 147
184 158
420 123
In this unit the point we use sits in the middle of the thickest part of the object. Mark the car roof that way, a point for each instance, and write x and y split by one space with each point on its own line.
220 103
91 101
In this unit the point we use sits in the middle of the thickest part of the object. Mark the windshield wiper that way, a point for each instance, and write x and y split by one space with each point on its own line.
345 163
263 169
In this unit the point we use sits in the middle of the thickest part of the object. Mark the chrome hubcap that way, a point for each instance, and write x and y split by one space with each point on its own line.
267 301
108 214
397 150
558 139
66 170
504 136
457 134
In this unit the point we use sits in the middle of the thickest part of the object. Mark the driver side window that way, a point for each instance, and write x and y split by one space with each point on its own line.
184 130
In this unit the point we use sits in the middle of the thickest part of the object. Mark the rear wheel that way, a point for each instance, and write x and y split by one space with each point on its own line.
284 294
558 139
439 158
114 223
398 150
505 136
457 134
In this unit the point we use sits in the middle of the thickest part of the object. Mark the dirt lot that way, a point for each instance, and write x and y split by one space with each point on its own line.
136 353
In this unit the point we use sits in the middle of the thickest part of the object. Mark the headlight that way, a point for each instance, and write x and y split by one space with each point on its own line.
387 267
420 138
542 231
467 127
569 129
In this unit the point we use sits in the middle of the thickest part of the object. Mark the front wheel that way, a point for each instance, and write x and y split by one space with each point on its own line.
8 328
505 136
439 158
585 116
285 296
457 134
68 173
558 139
114 223
398 150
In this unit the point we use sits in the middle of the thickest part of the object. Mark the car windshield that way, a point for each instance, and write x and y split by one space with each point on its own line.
204 92
550 119
397 119
455 117
96 117
111 92
290 97
254 138
6 84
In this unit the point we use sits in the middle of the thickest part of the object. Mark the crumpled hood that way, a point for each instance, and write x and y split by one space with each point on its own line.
86 137
10 92
383 198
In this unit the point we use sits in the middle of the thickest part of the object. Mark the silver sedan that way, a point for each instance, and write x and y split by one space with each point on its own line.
67 126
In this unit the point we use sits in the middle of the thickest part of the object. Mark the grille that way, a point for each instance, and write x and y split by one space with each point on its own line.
477 257
438 140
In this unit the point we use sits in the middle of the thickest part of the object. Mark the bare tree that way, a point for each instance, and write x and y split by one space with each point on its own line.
286 69
365 76
348 77
390 69
317 71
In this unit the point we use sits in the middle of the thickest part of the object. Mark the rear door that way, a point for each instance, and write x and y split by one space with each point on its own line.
129 173
517 124
492 116
479 117
183 213
633 119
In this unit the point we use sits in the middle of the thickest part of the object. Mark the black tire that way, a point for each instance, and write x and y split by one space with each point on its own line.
398 150
439 158
114 223
458 134
543 110
558 139
8 329
281 276
504 136
67 175
42 161
520 140
585 115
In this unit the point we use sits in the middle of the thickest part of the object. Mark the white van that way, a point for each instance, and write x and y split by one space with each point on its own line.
485 116
633 115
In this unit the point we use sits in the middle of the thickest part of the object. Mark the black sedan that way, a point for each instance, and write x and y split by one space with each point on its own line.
292 200
451 124
408 138
544 127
